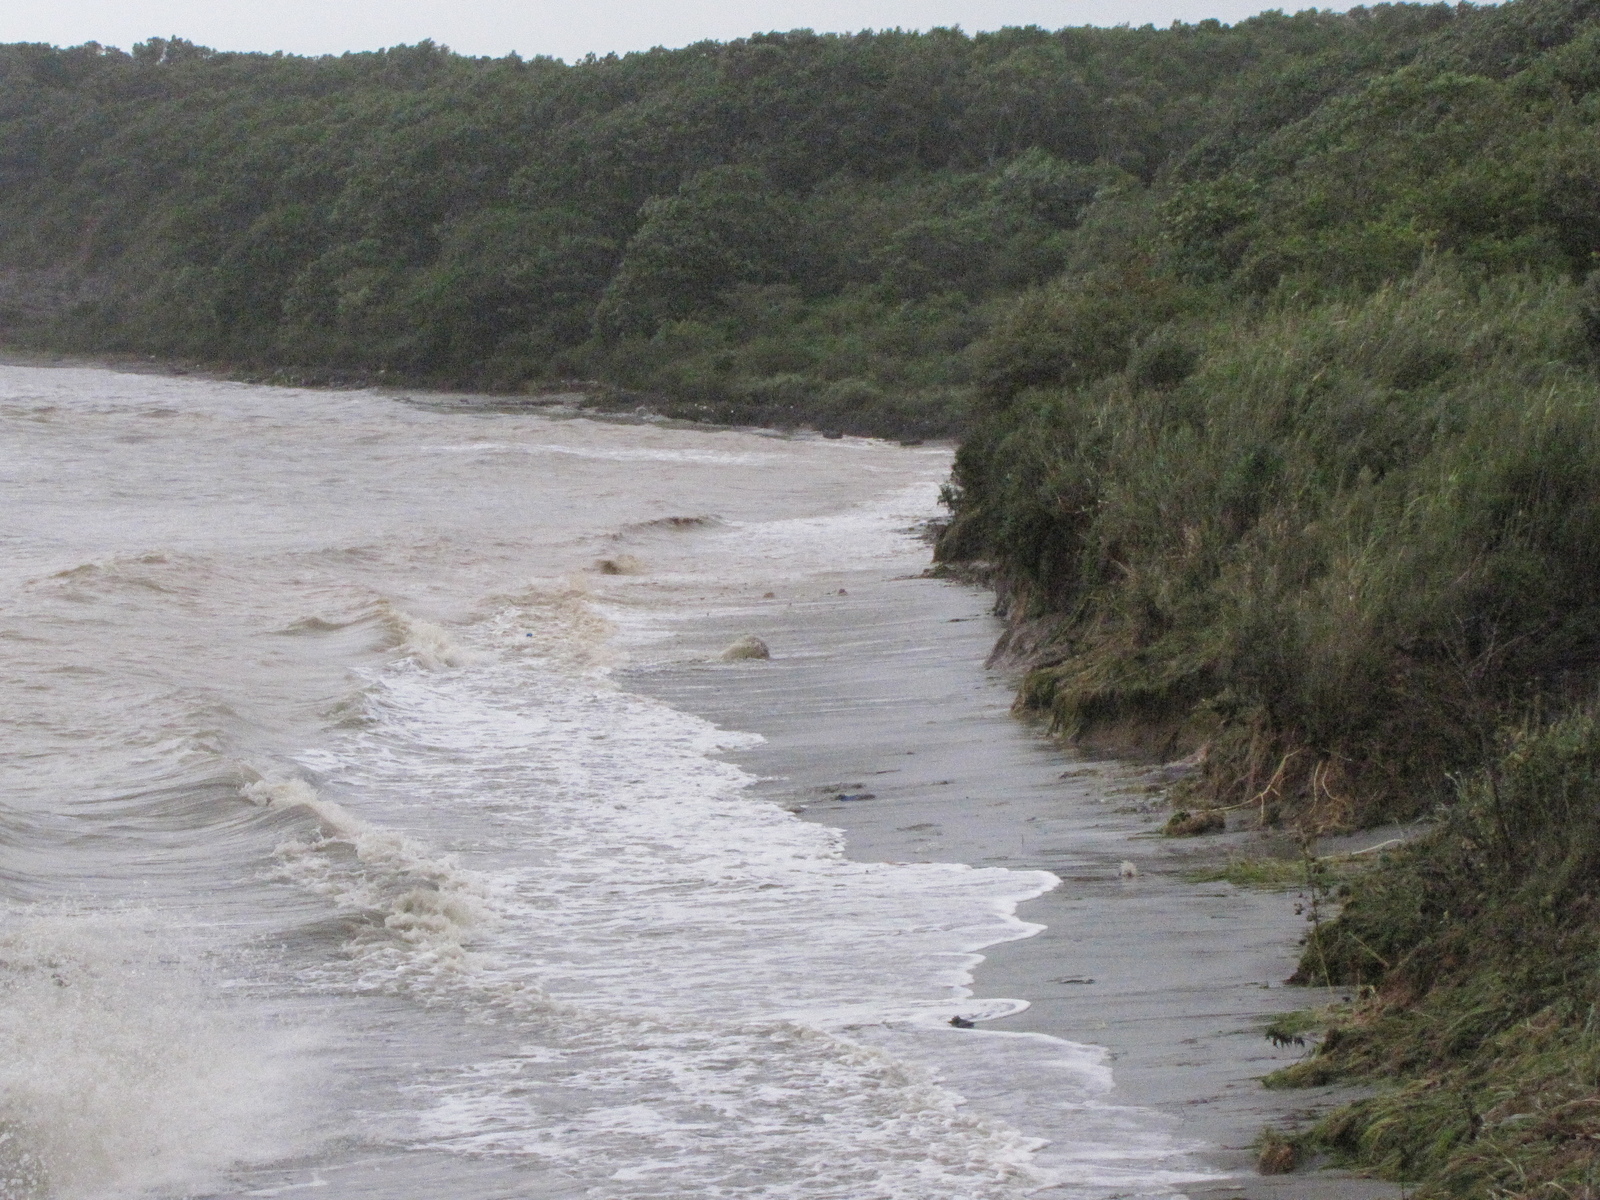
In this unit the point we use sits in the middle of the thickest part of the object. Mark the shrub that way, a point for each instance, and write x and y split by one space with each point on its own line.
1342 546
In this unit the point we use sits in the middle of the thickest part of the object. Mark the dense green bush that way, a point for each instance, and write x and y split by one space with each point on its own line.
1351 533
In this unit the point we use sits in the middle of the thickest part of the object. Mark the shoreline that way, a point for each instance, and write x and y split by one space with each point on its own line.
593 399
881 690
892 672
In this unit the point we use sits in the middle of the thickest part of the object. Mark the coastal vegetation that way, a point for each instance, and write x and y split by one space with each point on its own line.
1274 351
1302 481
787 229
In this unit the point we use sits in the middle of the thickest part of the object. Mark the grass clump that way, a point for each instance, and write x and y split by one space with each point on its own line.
1476 951
1269 874
1277 1154
1184 823
1298 1026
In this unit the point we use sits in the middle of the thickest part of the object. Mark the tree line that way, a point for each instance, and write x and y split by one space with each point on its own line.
788 227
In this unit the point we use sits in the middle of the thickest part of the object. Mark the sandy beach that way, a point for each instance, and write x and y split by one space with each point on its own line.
876 688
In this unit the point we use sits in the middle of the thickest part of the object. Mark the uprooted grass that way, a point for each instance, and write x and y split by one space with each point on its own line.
1359 534
1517 1118
1327 875
1269 874
1475 953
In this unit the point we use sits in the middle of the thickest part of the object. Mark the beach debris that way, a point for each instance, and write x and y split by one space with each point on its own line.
855 796
963 1023
1128 870
1073 979
1278 1155
1192 824
769 595
842 592
748 646
696 522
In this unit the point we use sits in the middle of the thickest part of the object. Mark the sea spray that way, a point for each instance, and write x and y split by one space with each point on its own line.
123 1069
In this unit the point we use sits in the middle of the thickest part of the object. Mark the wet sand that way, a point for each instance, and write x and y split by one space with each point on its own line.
882 691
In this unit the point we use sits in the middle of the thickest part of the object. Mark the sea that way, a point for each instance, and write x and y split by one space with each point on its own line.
338 857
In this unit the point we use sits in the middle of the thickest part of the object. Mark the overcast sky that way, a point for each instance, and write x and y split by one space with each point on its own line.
566 29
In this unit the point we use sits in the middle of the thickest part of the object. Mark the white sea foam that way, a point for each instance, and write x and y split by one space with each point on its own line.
725 1001
422 908
424 642
122 1072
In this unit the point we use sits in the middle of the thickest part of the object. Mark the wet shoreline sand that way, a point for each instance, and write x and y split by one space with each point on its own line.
880 691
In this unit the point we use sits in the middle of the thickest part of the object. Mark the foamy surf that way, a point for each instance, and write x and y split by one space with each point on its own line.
717 993
122 1072
324 678
418 910
425 643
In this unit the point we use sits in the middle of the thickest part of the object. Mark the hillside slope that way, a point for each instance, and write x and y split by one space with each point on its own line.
788 228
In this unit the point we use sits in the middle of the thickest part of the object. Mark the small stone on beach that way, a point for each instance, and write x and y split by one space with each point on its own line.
748 646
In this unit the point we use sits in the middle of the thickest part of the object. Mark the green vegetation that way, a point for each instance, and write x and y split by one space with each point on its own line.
1308 467
1301 466
1298 1026
1474 955
788 229
1274 351
1272 874
1355 536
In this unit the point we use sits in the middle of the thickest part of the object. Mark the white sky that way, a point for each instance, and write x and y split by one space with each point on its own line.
563 28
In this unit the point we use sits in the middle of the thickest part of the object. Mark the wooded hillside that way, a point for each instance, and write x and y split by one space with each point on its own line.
791 227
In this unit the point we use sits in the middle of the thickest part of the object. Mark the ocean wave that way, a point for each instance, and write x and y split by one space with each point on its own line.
420 910
122 1072
423 642
697 977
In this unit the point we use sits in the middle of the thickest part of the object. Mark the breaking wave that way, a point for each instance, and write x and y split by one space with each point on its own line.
120 1070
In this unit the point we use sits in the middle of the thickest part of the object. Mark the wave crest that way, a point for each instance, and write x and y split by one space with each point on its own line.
422 910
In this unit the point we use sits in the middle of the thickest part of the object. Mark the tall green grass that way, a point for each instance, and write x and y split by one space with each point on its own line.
1338 539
